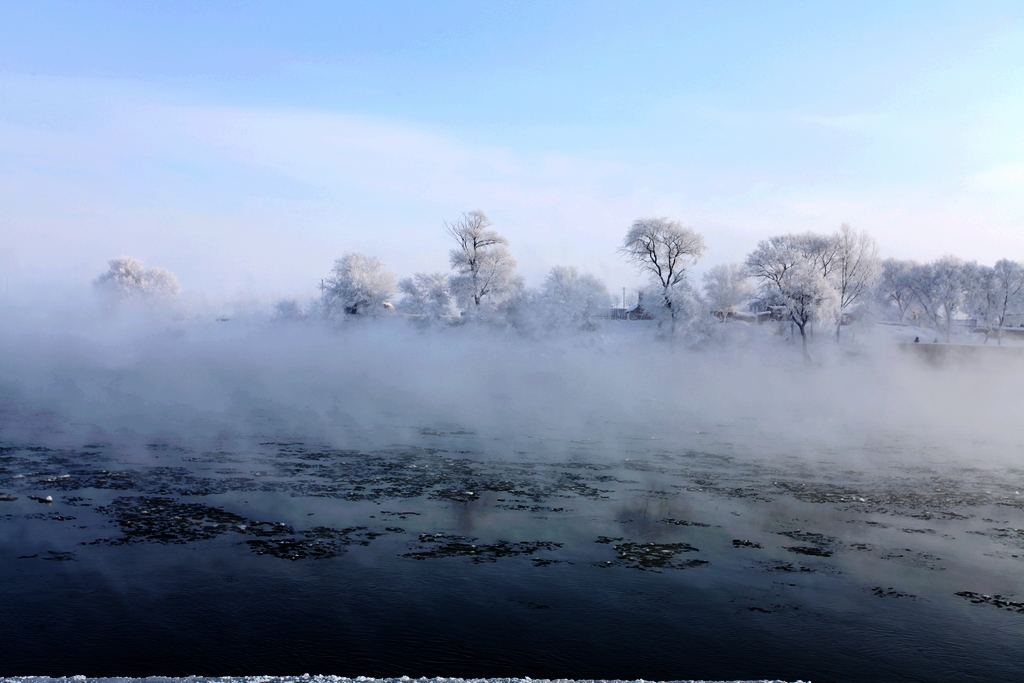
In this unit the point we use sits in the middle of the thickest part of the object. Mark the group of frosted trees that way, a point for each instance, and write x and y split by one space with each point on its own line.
482 285
813 279
810 283
937 294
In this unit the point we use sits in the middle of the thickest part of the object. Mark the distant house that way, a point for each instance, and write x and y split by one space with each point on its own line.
638 313
635 313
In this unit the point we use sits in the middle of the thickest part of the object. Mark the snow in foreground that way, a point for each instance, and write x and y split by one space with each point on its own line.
306 678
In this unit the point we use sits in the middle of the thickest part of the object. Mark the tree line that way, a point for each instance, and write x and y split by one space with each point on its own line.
807 281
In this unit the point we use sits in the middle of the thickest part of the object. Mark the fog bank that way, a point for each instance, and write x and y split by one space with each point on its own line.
215 384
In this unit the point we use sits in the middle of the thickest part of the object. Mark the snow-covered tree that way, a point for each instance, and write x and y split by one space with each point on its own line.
853 269
664 250
128 280
573 300
484 267
358 285
427 297
791 272
727 287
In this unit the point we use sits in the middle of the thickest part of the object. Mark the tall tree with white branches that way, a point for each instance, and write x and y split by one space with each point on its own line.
484 267
855 269
665 250
1009 286
893 289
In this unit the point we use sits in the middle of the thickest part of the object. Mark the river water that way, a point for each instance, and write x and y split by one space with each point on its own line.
458 554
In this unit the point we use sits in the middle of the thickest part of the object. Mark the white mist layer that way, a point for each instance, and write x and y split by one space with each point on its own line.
219 384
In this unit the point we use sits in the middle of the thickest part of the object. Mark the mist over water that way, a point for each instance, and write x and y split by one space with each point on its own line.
251 496
207 379
371 383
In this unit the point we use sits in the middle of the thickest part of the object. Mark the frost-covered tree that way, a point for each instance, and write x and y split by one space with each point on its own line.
921 280
1008 278
125 276
939 290
358 285
853 269
981 297
792 273
951 288
808 297
894 289
727 287
288 310
427 297
664 250
683 313
573 300
128 280
484 270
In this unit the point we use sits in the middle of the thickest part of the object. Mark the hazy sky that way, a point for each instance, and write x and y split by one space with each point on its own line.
246 145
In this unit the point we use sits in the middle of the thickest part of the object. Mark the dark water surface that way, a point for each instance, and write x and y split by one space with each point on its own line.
453 556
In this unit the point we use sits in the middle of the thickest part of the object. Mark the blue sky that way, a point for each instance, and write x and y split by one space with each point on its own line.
246 145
